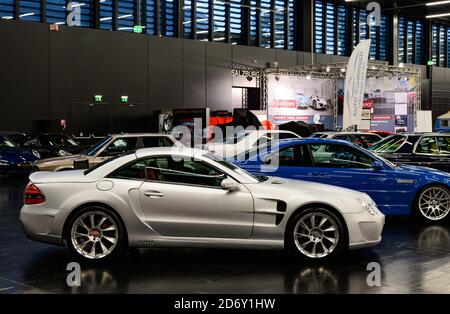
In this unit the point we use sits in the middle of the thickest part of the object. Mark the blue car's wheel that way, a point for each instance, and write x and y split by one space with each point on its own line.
433 204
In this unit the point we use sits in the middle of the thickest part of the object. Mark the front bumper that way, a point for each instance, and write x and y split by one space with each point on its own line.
43 224
364 230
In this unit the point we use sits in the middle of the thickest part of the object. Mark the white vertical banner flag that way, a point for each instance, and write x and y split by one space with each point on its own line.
355 82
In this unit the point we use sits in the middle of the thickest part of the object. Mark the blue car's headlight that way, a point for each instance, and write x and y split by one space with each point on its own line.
36 153
4 162
369 205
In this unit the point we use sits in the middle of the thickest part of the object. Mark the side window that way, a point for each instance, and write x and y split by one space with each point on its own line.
339 156
294 156
428 145
134 171
120 146
347 138
157 141
167 169
444 145
287 156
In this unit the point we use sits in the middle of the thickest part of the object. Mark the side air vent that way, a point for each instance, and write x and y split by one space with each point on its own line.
281 207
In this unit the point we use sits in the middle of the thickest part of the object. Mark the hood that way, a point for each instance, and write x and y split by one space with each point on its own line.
63 159
17 155
417 170
69 176
289 188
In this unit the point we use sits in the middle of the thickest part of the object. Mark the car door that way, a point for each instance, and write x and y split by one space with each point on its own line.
444 152
426 153
184 198
349 167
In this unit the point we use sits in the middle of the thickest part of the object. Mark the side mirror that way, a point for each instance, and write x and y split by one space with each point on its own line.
229 185
267 160
377 165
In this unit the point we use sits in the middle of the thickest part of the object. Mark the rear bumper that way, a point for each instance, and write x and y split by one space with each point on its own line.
43 224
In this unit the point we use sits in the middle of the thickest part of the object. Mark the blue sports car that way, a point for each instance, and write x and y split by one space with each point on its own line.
14 159
397 189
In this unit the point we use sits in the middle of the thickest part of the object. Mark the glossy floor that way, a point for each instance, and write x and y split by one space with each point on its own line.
413 259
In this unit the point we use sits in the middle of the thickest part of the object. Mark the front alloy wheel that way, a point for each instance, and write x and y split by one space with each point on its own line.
95 234
316 234
434 203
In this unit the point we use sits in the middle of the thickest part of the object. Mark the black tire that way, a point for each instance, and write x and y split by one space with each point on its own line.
100 237
293 245
420 214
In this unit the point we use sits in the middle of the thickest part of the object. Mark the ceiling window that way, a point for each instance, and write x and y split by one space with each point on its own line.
7 9
254 18
342 30
411 41
292 22
148 17
56 11
220 21
266 23
435 44
280 20
235 21
187 18
319 28
202 19
30 10
106 14
168 14
126 15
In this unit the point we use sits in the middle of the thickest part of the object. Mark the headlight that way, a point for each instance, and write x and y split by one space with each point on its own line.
369 205
62 152
4 162
36 153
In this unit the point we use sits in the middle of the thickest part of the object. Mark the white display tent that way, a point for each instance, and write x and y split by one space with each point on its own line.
336 72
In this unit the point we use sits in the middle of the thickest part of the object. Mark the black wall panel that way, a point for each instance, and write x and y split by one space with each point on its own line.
165 66
194 74
24 74
218 76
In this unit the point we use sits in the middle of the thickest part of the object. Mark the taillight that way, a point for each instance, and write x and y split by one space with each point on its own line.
33 195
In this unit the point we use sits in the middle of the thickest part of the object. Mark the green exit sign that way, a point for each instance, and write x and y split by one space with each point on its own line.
98 98
430 62
124 99
137 29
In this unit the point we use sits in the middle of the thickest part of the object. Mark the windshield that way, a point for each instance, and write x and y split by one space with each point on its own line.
234 168
4 143
237 137
389 144
19 139
92 151
57 140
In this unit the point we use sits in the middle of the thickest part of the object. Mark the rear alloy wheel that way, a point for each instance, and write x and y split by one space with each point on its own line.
95 234
433 203
316 234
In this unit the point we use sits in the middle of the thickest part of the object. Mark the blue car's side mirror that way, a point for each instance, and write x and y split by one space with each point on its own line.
377 165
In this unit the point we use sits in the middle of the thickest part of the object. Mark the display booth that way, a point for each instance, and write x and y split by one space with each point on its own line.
314 94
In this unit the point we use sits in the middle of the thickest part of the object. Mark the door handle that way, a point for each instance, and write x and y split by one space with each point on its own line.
153 194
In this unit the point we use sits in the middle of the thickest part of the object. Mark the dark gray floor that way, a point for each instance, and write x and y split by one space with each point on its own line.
413 259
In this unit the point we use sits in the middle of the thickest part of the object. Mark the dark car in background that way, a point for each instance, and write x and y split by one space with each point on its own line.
53 145
18 138
364 140
15 159
428 150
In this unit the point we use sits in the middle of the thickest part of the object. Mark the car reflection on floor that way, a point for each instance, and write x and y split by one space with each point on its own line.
413 259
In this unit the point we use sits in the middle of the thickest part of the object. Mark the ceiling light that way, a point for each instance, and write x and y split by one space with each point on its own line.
308 77
437 15
401 65
328 69
429 4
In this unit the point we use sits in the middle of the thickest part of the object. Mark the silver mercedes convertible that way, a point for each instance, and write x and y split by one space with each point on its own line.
182 197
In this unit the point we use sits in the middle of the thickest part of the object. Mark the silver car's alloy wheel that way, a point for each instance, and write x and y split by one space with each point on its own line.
316 235
434 203
94 234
